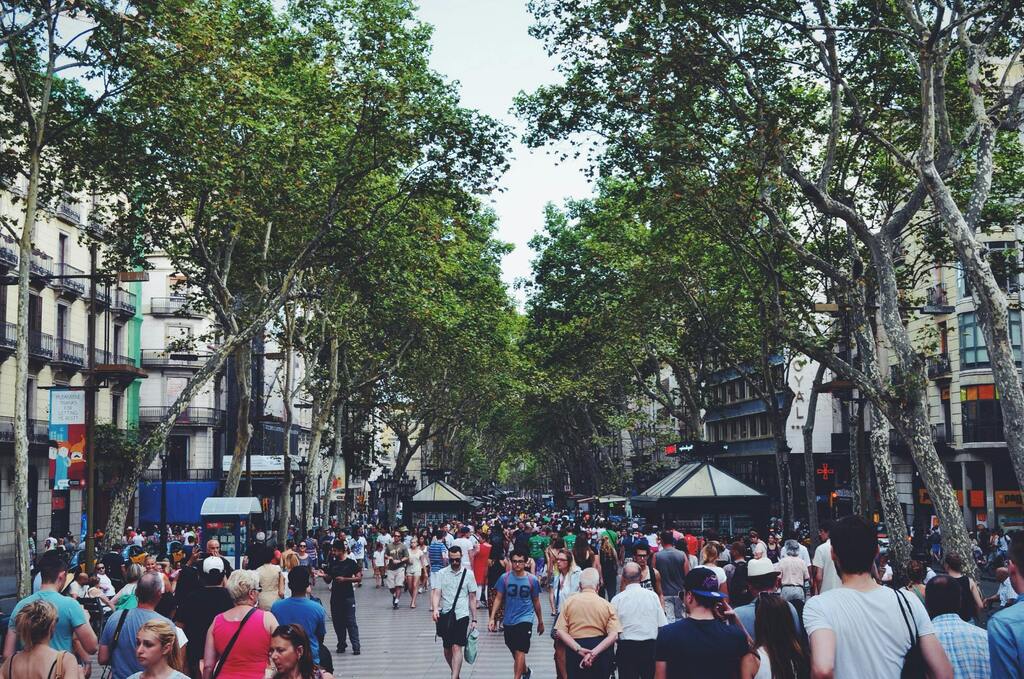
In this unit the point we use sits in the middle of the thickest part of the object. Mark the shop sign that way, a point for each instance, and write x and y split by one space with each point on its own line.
1009 499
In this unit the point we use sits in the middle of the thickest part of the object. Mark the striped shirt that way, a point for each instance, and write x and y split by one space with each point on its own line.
965 644
436 551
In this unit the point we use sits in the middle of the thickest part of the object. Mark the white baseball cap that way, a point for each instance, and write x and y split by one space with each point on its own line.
213 563
756 567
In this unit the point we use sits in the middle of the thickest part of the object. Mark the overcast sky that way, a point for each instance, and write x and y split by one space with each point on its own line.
484 45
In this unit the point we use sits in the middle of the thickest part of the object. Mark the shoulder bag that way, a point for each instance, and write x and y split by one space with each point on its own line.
913 663
231 644
446 621
108 670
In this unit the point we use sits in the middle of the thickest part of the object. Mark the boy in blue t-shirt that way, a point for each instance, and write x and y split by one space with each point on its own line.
520 592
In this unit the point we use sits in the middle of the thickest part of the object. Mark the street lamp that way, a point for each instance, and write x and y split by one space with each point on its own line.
163 496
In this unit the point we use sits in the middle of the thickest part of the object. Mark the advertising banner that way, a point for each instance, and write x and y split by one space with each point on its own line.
67 439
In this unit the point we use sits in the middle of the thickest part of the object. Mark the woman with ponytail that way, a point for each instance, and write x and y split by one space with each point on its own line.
158 652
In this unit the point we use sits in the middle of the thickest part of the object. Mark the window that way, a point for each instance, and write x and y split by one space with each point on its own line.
741 389
981 414
973 353
62 251
1003 259
115 410
62 322
744 427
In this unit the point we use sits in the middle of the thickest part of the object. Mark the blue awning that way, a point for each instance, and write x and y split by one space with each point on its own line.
184 500
717 413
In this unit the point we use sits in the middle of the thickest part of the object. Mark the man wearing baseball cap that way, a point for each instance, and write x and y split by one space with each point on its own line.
703 645
196 613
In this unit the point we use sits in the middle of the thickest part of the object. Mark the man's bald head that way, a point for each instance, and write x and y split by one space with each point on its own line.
213 547
630 573
150 588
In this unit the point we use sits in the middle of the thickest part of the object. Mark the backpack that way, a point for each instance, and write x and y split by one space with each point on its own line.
738 594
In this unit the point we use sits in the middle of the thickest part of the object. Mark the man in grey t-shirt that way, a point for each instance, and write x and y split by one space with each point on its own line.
673 565
120 655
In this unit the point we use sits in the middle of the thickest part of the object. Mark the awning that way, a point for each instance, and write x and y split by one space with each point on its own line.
231 506
700 486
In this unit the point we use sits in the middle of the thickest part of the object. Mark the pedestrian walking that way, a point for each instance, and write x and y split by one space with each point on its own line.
196 612
34 627
519 592
825 577
118 638
72 620
396 554
249 626
379 568
453 607
291 654
672 565
702 645
779 649
793 572
1006 628
157 651
650 578
862 629
641 615
609 559
970 601
299 609
413 571
588 626
342 572
762 581
965 644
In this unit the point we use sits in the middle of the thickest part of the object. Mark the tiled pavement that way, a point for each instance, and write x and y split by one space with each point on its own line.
401 643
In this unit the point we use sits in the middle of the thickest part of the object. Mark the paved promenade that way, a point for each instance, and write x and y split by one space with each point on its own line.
401 643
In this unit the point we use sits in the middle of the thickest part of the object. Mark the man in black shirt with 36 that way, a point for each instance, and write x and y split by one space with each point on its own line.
342 573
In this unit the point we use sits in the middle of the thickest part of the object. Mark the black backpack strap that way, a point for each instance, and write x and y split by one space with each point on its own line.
912 631
231 644
117 630
458 591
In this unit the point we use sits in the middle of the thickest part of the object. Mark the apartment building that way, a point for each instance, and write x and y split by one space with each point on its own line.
740 424
963 404
58 310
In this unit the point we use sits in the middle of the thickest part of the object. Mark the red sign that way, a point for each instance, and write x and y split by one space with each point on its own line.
58 501
824 471
670 450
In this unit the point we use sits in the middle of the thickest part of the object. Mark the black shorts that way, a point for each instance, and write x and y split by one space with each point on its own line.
457 636
517 637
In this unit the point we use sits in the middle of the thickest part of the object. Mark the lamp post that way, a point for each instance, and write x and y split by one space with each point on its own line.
163 496
303 466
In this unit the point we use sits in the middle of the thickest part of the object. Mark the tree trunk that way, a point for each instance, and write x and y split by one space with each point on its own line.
243 431
323 406
289 415
22 567
892 510
810 495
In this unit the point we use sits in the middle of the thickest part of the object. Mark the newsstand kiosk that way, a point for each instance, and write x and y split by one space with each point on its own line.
229 520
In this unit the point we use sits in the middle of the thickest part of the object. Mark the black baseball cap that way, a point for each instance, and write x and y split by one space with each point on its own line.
703 582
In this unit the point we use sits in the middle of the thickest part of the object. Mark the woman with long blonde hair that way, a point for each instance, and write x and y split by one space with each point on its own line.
34 626
157 650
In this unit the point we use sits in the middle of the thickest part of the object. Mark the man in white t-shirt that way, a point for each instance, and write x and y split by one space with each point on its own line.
862 629
465 542
824 576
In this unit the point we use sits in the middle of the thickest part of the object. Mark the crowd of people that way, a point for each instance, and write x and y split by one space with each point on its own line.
623 598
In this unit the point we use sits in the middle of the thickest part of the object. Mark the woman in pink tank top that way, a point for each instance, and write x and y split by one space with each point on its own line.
247 658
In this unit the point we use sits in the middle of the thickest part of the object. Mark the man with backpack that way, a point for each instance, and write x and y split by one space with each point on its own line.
520 592
117 642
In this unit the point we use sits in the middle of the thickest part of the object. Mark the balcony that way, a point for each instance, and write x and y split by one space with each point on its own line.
172 306
104 357
69 355
70 287
192 417
8 339
8 252
984 431
40 268
38 431
166 358
939 366
102 297
125 302
40 346
68 211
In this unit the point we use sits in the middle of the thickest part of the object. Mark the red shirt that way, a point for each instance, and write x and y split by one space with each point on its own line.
483 554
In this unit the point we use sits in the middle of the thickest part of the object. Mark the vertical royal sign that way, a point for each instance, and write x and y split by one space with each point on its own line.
67 438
